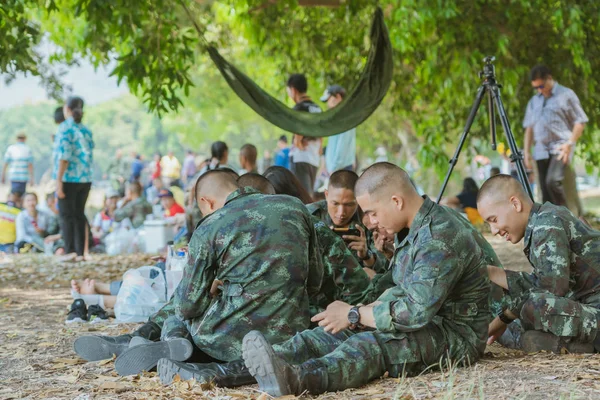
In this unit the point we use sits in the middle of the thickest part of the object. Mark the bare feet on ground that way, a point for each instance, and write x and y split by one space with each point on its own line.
85 286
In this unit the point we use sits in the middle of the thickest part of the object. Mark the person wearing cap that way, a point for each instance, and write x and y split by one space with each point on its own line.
341 148
167 200
18 160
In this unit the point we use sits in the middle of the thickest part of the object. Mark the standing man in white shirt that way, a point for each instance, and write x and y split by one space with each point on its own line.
554 122
18 160
341 148
305 155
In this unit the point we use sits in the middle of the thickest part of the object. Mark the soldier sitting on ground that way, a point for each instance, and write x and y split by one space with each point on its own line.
340 210
251 271
135 207
558 305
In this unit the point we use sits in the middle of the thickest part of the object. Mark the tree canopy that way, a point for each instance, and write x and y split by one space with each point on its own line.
438 47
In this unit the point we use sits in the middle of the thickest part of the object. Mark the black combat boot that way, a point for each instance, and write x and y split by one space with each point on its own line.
229 374
175 344
94 348
534 341
274 375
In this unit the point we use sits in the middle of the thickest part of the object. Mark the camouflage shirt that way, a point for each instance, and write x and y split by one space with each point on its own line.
265 251
136 210
343 277
440 272
564 254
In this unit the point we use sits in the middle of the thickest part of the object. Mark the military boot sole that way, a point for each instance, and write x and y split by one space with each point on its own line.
145 357
169 369
534 341
94 348
263 364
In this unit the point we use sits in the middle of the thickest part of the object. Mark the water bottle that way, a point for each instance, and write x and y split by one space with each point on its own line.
179 261
170 255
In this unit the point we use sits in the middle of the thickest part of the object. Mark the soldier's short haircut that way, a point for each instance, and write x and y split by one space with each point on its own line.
384 176
249 152
343 180
501 187
135 187
257 182
215 183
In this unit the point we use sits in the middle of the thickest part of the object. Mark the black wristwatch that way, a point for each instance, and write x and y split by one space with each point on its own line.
505 318
354 317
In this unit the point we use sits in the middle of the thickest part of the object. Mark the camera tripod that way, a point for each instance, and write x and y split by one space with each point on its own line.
490 87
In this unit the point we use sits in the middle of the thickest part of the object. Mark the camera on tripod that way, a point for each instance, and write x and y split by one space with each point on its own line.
489 71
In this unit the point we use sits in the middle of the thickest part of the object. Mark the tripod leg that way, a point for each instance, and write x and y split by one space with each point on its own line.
492 115
517 157
463 137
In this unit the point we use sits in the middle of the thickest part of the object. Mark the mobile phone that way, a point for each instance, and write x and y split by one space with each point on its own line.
346 231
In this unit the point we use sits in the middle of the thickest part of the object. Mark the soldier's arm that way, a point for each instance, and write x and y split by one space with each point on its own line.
315 261
124 212
550 255
435 269
192 297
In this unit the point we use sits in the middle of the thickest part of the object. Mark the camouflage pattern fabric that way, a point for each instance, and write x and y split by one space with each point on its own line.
265 251
382 264
343 277
319 210
562 295
136 210
437 309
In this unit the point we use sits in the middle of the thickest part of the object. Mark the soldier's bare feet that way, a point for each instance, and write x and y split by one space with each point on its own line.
85 286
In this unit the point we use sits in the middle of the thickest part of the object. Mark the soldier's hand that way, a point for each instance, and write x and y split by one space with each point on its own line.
214 289
358 243
495 330
335 318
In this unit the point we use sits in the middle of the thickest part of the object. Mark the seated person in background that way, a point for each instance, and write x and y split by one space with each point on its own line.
248 155
466 198
32 224
104 222
340 210
49 206
558 305
134 206
15 200
169 204
466 201
154 190
8 229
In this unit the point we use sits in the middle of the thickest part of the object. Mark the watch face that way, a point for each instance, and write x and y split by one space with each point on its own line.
353 316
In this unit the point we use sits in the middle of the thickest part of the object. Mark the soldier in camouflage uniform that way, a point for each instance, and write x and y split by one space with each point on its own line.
340 210
256 266
437 310
135 207
558 305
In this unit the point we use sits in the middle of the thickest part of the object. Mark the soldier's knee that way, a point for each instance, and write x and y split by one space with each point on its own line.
535 305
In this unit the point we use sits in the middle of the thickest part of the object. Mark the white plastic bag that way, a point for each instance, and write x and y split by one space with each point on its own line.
141 296
121 241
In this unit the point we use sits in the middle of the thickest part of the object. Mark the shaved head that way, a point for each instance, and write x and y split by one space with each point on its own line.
212 189
384 177
388 197
501 187
257 182
343 179
503 203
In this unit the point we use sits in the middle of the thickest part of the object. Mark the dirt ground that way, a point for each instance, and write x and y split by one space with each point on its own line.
37 360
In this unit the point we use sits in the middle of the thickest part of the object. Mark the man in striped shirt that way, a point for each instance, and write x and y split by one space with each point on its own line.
18 160
554 121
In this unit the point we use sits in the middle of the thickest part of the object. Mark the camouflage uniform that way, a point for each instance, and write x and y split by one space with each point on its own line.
343 277
266 252
562 295
382 264
438 309
319 211
136 210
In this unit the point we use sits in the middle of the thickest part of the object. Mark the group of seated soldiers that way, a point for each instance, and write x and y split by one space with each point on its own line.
274 295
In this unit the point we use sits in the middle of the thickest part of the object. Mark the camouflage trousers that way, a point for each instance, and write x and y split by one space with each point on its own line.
351 359
560 316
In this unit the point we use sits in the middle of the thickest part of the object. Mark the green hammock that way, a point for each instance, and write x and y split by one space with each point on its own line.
354 110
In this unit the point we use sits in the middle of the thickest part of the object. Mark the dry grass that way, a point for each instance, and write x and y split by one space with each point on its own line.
37 360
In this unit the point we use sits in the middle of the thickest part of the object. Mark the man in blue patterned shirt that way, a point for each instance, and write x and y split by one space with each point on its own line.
554 121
